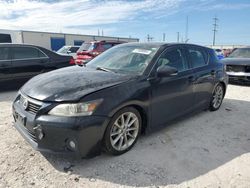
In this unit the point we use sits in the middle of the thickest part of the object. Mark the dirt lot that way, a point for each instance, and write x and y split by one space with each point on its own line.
209 149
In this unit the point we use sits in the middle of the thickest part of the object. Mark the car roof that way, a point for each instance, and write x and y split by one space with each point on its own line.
160 44
17 45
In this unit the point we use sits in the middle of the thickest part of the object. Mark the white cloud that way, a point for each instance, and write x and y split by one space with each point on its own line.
77 16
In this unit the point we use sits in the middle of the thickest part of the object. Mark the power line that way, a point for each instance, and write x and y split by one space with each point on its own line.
149 38
215 30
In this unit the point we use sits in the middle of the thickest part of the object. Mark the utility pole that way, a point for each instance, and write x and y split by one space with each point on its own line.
178 36
186 34
102 32
164 37
215 28
98 32
149 38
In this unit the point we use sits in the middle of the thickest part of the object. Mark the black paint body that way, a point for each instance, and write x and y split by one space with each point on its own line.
12 68
158 100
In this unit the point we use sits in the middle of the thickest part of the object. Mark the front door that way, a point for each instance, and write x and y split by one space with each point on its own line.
172 96
27 62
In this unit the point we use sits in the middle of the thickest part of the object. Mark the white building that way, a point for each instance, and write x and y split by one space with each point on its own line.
52 41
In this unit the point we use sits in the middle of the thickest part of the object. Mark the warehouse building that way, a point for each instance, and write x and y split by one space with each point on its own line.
53 41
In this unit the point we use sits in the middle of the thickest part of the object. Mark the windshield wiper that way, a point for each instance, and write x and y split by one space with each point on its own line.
103 69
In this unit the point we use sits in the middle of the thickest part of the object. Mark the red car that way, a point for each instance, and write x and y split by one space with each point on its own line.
90 50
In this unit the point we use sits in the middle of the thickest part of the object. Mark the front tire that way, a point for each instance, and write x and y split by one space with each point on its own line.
217 97
122 131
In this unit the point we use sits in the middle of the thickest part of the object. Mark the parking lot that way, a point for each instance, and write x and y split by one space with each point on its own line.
209 149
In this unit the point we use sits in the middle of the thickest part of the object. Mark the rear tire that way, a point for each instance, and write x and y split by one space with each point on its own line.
217 98
122 131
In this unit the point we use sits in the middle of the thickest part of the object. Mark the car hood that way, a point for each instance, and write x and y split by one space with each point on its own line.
71 83
236 61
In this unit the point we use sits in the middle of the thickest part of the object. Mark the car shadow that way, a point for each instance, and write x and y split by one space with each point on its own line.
182 151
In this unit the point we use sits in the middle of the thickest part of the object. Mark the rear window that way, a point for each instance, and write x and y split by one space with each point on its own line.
5 38
198 57
4 55
26 53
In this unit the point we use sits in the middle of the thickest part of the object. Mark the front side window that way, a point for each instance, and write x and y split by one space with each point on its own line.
4 54
198 57
26 53
173 58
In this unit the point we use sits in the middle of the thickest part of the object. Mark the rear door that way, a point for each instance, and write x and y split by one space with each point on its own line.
204 74
27 61
5 63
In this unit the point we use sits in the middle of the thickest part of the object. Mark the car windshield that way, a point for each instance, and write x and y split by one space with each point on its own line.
125 59
240 53
87 47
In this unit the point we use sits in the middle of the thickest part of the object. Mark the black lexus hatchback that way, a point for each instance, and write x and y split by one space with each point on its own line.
125 91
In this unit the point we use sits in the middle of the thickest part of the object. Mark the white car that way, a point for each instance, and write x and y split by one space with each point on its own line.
68 50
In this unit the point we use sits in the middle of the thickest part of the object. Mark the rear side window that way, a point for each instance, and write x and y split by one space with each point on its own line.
5 38
4 54
198 57
26 53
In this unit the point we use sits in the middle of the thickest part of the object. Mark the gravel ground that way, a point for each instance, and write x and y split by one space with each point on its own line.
209 149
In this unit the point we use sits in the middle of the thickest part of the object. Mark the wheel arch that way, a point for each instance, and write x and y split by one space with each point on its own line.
140 107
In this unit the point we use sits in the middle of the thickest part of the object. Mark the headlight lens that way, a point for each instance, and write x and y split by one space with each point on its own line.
77 109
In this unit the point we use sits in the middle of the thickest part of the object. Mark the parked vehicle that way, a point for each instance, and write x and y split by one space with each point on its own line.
219 54
238 65
90 50
127 90
68 50
25 61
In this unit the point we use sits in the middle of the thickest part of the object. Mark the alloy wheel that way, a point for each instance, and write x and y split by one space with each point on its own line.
124 131
217 96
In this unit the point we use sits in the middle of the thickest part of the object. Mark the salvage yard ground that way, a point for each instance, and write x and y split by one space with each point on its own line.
208 149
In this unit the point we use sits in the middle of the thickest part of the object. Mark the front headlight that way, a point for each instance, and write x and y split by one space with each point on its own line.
77 109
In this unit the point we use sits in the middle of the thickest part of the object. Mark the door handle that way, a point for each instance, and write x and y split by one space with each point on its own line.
191 79
212 72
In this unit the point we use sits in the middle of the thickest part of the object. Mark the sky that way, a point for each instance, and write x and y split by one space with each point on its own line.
137 18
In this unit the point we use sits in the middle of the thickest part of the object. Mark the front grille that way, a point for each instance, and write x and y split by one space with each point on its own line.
31 134
31 106
236 68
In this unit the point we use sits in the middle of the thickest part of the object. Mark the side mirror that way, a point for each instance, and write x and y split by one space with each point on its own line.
68 52
165 71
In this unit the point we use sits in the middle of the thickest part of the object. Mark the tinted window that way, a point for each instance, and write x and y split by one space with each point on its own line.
106 46
26 52
4 53
198 57
5 38
73 49
173 58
